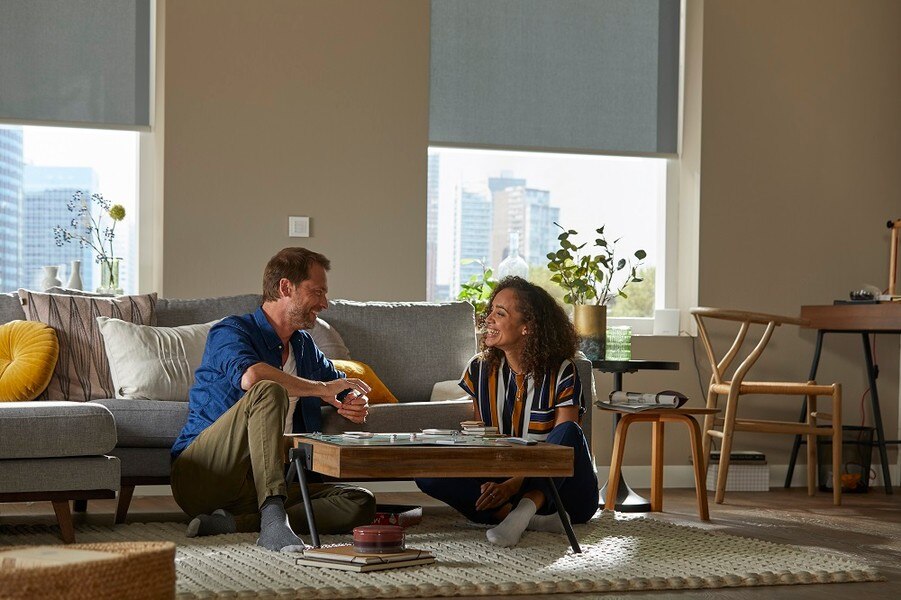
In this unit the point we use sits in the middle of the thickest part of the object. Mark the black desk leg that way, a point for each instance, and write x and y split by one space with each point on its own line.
877 414
564 518
298 461
796 446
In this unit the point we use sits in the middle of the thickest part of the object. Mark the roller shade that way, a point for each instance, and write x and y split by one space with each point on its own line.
599 76
75 61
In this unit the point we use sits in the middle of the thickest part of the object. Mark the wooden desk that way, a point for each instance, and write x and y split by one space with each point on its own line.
863 319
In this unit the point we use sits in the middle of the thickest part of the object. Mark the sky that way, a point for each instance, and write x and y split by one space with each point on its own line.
620 193
113 154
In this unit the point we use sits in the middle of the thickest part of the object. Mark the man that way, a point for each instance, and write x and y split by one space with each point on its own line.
228 470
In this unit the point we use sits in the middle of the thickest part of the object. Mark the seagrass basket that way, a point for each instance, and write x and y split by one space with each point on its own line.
144 571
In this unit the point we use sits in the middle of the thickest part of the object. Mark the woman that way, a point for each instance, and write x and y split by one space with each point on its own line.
524 382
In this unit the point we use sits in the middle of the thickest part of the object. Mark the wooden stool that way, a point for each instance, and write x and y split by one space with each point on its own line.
658 417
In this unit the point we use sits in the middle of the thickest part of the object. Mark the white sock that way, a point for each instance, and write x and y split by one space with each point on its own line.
510 530
549 523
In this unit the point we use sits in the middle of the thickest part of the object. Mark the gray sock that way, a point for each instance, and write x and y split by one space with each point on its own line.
218 523
275 532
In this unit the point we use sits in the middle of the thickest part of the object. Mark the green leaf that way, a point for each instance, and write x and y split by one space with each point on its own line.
621 264
568 298
623 294
563 236
562 254
637 280
640 254
600 242
551 256
573 232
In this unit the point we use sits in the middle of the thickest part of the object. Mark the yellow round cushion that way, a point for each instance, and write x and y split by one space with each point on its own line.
28 353
380 394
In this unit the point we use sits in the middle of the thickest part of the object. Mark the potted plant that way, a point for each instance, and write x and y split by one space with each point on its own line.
588 279
478 289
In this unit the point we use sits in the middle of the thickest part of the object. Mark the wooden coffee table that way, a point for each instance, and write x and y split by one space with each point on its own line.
402 458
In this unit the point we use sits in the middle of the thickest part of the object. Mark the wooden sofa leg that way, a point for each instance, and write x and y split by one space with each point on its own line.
64 518
125 493
79 506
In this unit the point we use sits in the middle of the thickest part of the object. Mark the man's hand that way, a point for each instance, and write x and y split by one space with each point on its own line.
355 406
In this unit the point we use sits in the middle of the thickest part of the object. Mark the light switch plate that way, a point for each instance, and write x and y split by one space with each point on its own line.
298 226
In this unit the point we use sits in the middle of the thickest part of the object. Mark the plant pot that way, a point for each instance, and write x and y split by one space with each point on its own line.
590 321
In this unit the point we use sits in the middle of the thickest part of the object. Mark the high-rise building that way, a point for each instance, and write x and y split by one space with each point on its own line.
472 232
11 162
500 235
47 190
527 211
431 249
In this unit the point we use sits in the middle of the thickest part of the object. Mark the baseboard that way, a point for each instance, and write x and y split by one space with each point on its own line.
674 476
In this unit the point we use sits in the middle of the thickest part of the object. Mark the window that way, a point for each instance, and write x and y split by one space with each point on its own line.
478 198
40 170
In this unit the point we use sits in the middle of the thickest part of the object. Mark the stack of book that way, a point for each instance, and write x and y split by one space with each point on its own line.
478 428
748 472
345 559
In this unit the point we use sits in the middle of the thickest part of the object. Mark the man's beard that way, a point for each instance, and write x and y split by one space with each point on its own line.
301 319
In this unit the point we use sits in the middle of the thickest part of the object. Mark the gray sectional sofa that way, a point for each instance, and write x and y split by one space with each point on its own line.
409 345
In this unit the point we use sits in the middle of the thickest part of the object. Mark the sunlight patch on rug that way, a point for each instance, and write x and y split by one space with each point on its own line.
619 554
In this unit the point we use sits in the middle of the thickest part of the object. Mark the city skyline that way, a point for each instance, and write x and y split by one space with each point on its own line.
579 192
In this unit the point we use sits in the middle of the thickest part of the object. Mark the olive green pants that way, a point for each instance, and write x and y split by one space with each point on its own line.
237 462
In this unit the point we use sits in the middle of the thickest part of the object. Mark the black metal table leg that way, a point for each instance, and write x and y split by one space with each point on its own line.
811 376
299 459
564 518
627 500
877 414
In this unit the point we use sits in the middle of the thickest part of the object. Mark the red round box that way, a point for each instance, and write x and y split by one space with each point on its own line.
378 539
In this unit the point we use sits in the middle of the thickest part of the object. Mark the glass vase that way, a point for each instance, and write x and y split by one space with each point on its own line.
109 277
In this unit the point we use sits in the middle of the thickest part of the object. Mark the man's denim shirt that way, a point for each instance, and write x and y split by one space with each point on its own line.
233 345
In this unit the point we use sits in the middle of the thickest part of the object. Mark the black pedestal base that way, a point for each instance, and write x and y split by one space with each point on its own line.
626 499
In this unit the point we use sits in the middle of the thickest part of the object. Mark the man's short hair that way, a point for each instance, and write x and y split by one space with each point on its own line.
292 264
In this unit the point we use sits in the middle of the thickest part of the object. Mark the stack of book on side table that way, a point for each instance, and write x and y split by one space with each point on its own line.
632 402
748 472
346 559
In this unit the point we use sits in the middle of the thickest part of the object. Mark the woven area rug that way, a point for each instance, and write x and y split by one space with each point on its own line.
619 554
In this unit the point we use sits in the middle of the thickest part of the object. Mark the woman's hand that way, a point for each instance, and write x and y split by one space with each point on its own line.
495 495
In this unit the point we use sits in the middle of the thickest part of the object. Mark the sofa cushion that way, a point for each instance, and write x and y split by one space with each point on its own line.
173 312
147 423
328 340
55 429
354 368
82 370
153 363
144 462
411 345
59 474
28 354
10 308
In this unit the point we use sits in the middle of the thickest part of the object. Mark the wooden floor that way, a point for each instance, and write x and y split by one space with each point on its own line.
867 526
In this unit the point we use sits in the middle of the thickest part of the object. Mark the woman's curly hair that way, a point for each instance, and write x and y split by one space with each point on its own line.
552 337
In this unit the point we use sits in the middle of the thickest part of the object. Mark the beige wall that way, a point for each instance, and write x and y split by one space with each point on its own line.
307 108
801 142
320 109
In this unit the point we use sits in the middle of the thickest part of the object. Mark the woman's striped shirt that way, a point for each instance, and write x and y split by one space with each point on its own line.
515 403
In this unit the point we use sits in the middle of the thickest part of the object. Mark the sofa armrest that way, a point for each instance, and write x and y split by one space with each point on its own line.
402 417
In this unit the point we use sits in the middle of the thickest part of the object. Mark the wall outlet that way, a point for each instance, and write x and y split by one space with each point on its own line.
298 226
